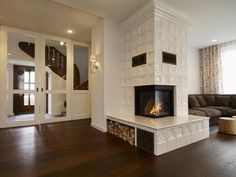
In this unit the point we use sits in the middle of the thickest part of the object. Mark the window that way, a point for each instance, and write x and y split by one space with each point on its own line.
229 70
29 84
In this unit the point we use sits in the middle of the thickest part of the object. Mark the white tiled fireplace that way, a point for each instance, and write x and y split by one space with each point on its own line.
152 31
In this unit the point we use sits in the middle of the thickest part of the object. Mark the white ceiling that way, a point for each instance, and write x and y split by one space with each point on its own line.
210 19
47 17
117 10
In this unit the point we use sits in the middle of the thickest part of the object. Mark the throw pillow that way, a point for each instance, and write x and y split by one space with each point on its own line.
193 102
201 101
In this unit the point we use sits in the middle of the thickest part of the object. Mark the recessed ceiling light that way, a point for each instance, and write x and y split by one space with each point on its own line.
9 54
213 40
69 31
62 43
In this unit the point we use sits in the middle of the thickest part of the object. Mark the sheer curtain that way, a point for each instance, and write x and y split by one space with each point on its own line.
228 57
211 70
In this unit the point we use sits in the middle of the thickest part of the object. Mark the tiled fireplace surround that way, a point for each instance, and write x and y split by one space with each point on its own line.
152 30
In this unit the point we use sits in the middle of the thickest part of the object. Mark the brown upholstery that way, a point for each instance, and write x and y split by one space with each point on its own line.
193 102
210 100
201 101
232 113
209 112
213 106
222 100
233 102
197 112
225 111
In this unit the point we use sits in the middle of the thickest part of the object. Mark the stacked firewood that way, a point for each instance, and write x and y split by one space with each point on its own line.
122 131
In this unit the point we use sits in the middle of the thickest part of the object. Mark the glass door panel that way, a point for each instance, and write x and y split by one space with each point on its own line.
55 106
21 77
21 110
80 74
55 63
55 79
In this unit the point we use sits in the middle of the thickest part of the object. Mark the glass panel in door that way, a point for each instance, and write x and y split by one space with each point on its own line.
21 77
55 106
55 78
80 73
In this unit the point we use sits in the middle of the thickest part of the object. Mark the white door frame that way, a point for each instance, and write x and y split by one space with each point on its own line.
5 91
81 92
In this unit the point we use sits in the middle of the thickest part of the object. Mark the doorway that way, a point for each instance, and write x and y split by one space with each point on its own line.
36 77
43 79
24 78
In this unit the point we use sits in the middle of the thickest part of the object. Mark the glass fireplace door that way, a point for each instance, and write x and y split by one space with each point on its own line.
154 101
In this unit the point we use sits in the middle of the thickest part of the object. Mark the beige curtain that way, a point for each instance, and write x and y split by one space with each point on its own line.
211 70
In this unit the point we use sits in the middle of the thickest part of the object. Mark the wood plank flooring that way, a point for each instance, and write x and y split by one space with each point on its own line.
74 149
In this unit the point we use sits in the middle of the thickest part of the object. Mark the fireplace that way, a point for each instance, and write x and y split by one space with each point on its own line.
154 101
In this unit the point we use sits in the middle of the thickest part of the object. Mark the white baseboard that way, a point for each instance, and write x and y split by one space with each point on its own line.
78 117
98 127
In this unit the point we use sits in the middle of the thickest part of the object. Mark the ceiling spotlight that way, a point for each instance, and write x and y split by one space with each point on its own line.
62 43
69 31
213 40
9 54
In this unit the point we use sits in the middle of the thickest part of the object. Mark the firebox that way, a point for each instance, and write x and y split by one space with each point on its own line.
154 101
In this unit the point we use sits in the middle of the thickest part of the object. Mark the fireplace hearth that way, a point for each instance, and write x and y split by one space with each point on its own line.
154 101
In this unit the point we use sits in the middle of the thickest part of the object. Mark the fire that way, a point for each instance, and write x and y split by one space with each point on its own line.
156 109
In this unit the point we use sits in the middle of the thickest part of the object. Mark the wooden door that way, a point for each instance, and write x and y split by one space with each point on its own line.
24 79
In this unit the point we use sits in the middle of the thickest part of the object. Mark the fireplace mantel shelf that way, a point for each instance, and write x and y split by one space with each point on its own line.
156 124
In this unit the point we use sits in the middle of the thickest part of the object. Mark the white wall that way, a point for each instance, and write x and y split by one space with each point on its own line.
106 82
97 78
193 71
113 68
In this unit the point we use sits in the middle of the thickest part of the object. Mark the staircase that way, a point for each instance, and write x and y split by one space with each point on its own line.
56 61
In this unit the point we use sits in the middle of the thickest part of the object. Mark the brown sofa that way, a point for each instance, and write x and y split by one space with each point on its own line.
213 106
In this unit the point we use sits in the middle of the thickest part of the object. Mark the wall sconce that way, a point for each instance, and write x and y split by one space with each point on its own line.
95 65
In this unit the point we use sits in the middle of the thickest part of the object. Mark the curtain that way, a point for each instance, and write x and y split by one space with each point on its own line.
211 70
228 57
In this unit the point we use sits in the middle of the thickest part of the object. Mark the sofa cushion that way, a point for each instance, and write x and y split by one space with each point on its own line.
210 112
197 112
233 102
201 101
225 111
210 100
193 102
222 101
232 112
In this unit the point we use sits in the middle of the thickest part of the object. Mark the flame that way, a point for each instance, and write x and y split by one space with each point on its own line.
156 109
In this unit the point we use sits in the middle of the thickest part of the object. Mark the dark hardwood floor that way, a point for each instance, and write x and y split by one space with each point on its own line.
74 149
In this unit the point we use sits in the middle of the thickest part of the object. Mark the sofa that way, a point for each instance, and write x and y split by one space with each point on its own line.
212 105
